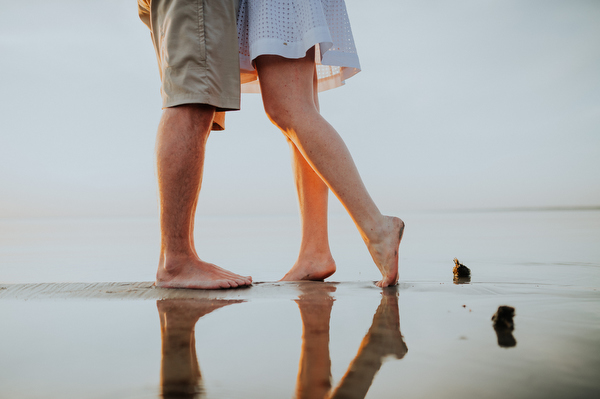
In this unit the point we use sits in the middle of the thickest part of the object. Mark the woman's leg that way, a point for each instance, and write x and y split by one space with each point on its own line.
287 91
314 260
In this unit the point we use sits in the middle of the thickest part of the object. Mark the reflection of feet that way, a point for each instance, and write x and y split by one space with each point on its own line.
314 372
315 268
385 251
184 313
382 340
179 372
315 304
191 272
385 333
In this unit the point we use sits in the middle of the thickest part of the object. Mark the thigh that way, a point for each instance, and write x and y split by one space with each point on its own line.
286 82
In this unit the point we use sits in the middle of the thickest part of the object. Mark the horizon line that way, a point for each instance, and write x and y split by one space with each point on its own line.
460 210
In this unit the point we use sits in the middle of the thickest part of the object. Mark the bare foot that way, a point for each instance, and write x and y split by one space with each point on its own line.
191 272
315 268
385 251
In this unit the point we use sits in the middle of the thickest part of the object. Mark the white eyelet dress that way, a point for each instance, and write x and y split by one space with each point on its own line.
289 28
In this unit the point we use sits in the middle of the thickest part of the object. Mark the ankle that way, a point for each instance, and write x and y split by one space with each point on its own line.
315 256
375 233
172 261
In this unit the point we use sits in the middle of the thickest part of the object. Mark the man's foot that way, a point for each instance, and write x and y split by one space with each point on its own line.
385 251
314 268
191 272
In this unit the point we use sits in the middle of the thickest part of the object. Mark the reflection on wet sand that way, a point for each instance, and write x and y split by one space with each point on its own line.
505 338
314 370
382 340
461 280
180 372
504 325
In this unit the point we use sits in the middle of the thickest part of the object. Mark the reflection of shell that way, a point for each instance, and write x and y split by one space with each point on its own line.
504 326
462 280
503 318
460 270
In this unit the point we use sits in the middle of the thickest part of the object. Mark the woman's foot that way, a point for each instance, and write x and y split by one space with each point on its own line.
384 250
314 268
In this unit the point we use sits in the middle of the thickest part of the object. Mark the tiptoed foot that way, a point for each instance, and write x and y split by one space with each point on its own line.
313 268
384 250
191 272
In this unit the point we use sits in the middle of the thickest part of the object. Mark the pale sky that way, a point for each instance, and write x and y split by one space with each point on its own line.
460 105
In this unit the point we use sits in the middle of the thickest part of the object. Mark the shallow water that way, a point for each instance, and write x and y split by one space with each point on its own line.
275 340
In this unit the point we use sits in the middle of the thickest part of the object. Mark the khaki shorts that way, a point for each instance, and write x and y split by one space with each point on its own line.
197 50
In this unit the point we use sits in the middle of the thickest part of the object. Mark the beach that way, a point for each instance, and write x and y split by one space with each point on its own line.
475 122
81 317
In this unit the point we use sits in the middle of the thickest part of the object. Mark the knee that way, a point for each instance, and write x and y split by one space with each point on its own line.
277 114
288 116
190 117
194 113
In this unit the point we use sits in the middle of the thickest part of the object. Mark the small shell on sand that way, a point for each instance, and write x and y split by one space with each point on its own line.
460 270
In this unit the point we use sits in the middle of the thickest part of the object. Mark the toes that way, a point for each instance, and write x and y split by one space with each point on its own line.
227 284
240 282
243 280
384 283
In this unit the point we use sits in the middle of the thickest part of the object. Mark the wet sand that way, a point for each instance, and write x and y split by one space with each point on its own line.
430 336
310 340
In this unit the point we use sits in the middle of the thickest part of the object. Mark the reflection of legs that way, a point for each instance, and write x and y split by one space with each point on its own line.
179 371
180 146
383 339
314 372
314 261
287 87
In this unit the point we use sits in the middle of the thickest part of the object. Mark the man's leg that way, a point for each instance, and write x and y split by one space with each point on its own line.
180 146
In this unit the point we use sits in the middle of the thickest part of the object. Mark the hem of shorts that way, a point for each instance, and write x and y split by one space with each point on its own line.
221 104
